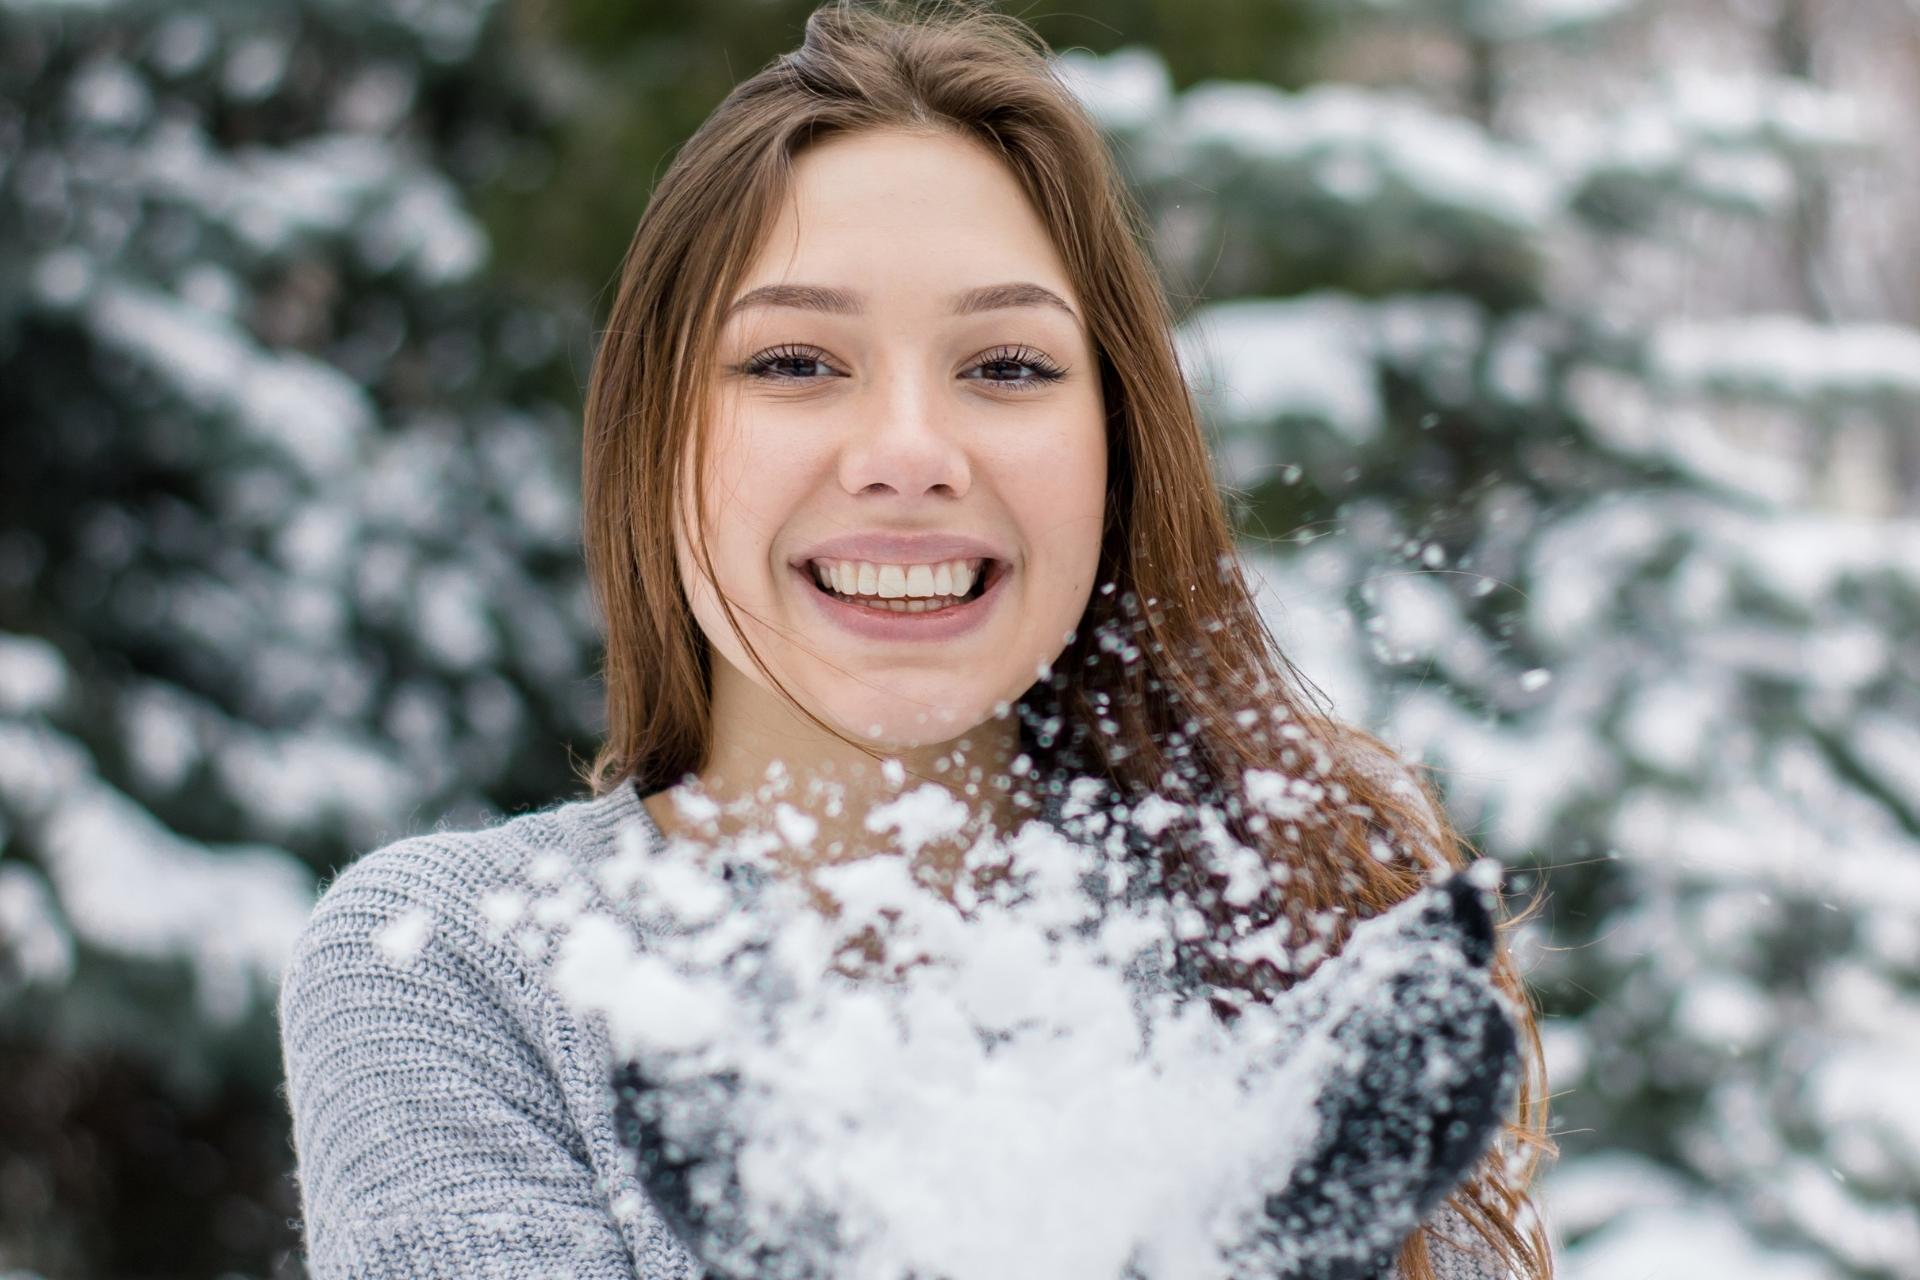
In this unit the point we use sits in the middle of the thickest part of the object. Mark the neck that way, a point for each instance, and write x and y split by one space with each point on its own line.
784 776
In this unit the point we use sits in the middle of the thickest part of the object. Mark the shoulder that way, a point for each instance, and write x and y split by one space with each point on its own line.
446 1112
1366 758
469 902
448 874
1372 758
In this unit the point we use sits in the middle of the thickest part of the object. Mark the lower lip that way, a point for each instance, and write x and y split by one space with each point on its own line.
884 624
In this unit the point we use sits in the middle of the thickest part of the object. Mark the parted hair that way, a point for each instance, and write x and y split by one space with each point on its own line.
1172 684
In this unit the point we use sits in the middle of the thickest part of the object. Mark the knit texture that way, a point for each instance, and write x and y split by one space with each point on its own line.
452 1116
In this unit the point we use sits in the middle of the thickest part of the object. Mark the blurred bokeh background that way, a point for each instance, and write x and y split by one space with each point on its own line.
1562 364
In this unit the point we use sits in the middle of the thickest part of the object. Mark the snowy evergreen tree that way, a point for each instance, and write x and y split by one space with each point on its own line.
288 559
288 564
1543 529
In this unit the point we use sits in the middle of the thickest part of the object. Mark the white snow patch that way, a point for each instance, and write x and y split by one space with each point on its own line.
1404 140
928 812
648 1006
1788 357
34 945
1259 361
502 909
307 409
1155 813
795 827
1281 796
33 678
1126 89
128 885
1701 1239
401 938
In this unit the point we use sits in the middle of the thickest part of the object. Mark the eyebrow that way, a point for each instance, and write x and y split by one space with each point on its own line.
847 302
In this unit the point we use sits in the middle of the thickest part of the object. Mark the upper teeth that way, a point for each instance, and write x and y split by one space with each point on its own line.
889 581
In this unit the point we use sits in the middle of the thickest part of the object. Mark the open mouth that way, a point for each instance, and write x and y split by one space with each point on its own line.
990 573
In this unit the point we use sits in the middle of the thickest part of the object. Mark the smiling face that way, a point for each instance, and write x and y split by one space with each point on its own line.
891 383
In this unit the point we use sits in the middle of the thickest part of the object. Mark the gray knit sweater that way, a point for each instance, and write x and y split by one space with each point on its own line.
451 1114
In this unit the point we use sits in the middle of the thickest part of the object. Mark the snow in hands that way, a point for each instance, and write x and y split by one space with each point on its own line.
1020 1097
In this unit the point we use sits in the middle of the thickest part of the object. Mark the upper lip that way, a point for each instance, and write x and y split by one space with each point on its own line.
881 547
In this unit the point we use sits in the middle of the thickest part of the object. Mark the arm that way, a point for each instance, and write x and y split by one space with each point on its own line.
431 1136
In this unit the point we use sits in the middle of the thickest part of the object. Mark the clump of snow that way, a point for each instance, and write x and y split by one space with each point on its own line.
32 676
34 945
980 1050
693 807
1726 139
162 729
293 780
1726 1011
550 867
1284 797
649 1006
402 937
796 828
928 812
502 909
398 213
1484 873
1153 814
618 874
106 91
687 892
451 618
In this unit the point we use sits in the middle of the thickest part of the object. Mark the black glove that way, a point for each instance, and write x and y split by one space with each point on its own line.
1423 1066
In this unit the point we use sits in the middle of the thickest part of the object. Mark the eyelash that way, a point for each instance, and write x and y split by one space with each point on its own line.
1044 373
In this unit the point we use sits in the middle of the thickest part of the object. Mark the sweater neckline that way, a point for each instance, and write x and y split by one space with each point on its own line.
604 816
636 808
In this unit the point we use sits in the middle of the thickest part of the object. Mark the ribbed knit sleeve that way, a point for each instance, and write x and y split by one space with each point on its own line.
432 1135
1458 1252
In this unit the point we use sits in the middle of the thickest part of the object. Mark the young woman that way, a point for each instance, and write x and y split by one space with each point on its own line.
887 456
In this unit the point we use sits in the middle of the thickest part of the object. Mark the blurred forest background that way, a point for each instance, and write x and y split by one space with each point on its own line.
1563 364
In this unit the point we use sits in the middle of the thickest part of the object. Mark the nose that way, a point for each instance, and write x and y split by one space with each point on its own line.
906 438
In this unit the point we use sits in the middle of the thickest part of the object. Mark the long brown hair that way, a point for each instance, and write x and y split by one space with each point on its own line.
1171 685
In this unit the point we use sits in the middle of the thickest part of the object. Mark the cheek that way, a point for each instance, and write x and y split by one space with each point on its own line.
1064 497
751 491
709 551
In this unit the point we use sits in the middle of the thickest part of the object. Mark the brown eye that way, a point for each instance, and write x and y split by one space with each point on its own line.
785 364
1040 371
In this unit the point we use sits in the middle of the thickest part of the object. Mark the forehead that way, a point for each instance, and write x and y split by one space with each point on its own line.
905 216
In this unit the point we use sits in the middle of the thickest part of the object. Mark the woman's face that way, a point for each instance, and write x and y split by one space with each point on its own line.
906 366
